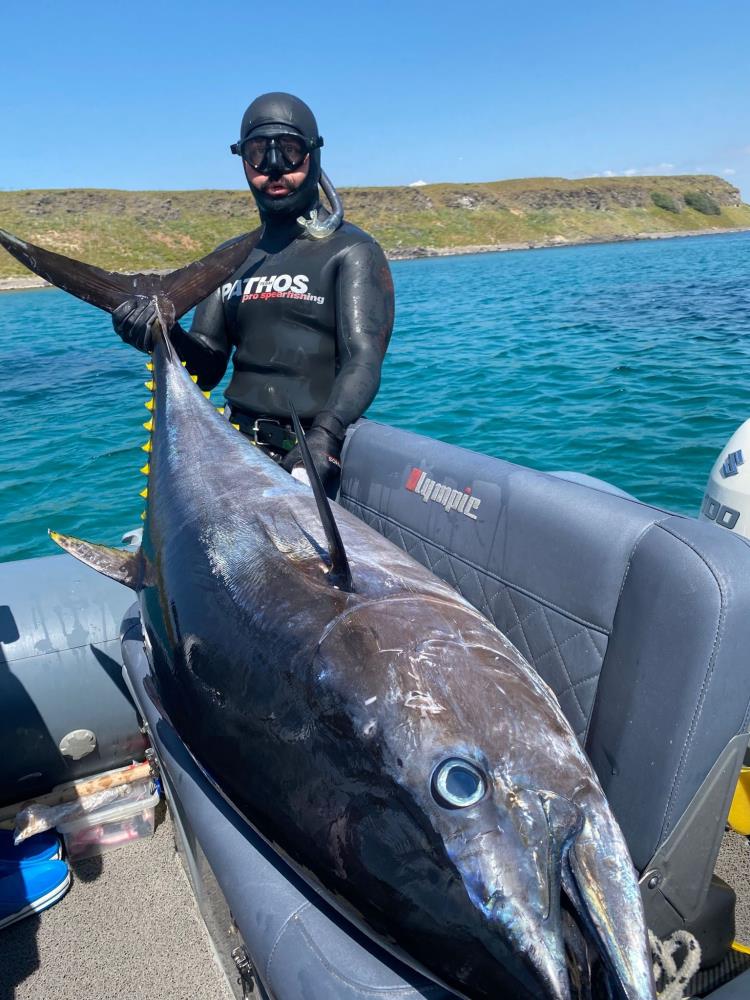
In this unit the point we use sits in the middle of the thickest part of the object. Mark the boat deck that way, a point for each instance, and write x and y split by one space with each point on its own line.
733 866
129 929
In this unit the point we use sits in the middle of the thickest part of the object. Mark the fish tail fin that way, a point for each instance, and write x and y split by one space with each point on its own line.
175 293
118 564
92 284
194 282
340 574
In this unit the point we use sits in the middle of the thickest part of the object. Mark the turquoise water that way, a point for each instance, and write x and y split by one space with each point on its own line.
627 361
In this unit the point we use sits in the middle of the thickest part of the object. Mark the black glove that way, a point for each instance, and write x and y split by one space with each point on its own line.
325 450
133 321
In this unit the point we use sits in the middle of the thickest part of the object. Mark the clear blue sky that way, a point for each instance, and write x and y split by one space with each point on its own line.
149 95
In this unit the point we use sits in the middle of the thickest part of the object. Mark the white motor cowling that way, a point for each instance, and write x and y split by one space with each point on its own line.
727 498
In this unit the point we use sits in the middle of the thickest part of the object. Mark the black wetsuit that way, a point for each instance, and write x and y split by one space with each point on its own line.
308 320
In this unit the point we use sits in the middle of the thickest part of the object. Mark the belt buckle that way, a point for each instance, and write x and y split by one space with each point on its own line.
256 426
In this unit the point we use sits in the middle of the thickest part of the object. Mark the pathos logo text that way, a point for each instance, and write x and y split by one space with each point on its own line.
271 286
461 501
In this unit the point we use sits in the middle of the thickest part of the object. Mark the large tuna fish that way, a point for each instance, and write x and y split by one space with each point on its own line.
364 718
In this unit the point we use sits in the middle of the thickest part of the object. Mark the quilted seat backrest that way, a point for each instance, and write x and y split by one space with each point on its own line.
611 600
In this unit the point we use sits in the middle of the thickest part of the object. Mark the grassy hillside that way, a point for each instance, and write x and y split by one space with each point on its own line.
130 230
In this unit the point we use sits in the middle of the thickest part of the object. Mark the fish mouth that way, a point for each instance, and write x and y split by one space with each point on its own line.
564 898
557 950
560 951
601 884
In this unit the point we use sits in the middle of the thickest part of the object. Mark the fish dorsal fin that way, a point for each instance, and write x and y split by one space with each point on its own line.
340 575
177 292
118 564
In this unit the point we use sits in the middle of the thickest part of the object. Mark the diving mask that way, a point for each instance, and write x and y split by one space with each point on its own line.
281 153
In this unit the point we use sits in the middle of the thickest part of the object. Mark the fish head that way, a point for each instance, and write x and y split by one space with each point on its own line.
475 746
491 799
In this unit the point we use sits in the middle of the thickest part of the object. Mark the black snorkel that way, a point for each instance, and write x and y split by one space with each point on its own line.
319 228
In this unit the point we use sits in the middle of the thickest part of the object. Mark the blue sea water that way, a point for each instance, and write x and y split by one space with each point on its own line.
626 361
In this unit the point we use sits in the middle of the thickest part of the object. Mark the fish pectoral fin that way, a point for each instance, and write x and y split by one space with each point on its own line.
340 574
118 564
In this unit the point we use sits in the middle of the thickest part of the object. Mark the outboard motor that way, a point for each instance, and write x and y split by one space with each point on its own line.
727 497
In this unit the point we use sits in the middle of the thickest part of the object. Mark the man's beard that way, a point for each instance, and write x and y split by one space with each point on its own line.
294 201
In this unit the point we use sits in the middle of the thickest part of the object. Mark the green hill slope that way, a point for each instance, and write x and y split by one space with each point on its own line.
130 230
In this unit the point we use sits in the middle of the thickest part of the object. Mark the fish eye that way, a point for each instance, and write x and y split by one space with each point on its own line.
457 784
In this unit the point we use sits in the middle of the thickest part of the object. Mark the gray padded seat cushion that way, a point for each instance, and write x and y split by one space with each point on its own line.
299 946
637 618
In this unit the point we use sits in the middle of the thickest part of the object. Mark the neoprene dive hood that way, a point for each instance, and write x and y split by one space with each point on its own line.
277 114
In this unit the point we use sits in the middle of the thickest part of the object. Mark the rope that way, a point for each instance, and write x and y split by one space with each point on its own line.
672 979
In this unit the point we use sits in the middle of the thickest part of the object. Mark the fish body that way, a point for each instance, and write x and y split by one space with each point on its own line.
324 714
367 721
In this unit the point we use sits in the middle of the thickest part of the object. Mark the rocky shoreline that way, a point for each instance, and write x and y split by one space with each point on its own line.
21 284
17 284
415 253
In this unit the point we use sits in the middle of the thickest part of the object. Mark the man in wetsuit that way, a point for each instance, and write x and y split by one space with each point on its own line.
308 314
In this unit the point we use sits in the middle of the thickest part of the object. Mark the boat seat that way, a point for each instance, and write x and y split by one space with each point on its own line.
637 618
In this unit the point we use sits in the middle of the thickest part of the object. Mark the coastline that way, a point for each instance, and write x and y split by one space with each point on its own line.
417 253
18 284
22 284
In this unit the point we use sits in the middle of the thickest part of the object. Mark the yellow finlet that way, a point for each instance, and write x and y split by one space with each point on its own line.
144 492
184 364
193 378
143 516
220 409
149 404
149 366
207 393
149 425
146 446
149 385
146 469
236 426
